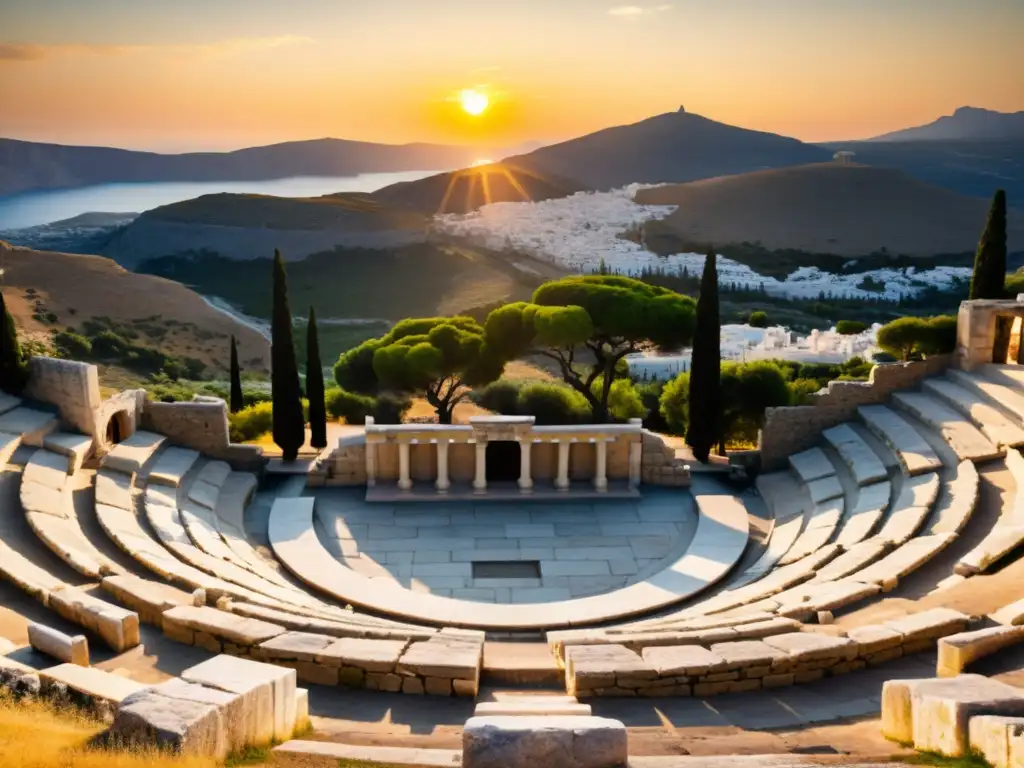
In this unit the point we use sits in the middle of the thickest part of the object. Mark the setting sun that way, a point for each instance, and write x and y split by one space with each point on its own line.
473 102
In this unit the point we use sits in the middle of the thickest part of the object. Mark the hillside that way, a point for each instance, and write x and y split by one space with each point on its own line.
846 210
966 123
249 226
467 189
26 166
673 147
48 292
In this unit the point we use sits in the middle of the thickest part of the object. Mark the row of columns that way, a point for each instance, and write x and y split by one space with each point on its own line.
443 482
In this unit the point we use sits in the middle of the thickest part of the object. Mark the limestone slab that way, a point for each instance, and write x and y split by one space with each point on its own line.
670 661
204 493
171 466
445 660
899 701
529 742
76 448
811 464
915 453
73 649
147 597
369 655
297 646
1011 615
130 455
811 646
993 737
118 628
268 692
181 726
962 436
955 652
532 707
747 653
114 489
239 630
48 469
982 412
90 681
858 456
933 623
33 425
824 489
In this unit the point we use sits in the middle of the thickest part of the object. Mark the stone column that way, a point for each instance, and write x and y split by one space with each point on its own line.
404 481
636 456
601 468
442 466
480 480
562 480
525 477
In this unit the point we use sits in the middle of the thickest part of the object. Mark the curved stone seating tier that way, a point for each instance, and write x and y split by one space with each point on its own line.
784 535
131 455
8 445
745 665
46 498
962 436
992 422
1004 395
8 402
957 500
811 464
819 527
171 466
914 452
856 454
910 509
32 425
721 537
825 489
858 523
206 488
1008 532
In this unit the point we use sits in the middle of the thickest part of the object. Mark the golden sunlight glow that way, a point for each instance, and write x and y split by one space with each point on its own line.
474 102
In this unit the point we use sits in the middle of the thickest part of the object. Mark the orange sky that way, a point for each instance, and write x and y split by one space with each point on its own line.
230 73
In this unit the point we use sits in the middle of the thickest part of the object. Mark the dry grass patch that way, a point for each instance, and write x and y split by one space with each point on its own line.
37 735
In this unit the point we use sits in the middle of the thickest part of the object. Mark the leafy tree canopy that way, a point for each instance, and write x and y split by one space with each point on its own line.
437 356
588 324
907 336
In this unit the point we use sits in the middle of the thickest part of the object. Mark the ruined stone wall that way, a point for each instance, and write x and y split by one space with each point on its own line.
345 465
71 386
201 424
659 465
796 428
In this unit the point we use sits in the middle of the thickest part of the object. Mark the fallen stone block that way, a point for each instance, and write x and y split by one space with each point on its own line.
268 693
529 742
993 737
533 707
898 703
957 651
1012 614
88 687
941 714
118 628
150 599
73 650
187 726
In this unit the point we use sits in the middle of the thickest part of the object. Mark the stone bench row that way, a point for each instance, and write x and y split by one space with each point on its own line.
447 663
983 413
132 454
719 542
856 454
1008 532
746 665
966 440
914 452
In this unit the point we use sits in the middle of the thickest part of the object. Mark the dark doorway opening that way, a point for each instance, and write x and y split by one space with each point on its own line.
506 569
116 430
503 459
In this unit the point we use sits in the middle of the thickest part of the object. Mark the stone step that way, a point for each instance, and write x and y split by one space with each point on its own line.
171 466
996 394
131 455
914 452
957 651
103 691
33 425
330 754
992 422
811 465
862 461
857 524
529 742
961 435
8 402
76 447
529 708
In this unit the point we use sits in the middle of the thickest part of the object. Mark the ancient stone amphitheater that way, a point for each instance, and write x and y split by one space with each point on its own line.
182 587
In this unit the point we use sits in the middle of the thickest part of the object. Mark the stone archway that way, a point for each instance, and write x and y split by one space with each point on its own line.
118 428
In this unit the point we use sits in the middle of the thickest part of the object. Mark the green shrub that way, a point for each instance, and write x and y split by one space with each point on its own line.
624 402
501 396
850 327
553 403
107 344
758 319
906 337
72 346
800 390
675 403
389 408
352 407
249 423
941 338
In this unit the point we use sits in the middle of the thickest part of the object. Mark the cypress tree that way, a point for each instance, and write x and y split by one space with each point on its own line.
704 429
236 379
12 367
989 278
289 426
315 385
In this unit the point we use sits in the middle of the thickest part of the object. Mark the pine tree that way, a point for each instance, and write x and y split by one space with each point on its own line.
289 427
315 386
12 367
989 278
705 397
237 402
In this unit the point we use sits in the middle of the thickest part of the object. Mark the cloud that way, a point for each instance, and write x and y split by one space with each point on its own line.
23 52
634 11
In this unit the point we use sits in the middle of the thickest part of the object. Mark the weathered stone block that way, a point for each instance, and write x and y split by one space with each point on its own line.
957 651
67 648
941 714
528 742
992 736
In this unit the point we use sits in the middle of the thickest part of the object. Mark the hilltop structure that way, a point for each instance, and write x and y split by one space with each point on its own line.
393 563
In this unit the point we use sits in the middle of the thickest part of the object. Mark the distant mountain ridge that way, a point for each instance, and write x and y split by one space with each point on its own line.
28 166
966 123
670 148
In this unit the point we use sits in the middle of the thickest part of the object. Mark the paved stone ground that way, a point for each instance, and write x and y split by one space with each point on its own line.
583 548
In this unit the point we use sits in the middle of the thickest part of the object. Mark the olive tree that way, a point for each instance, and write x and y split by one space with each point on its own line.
587 325
437 357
